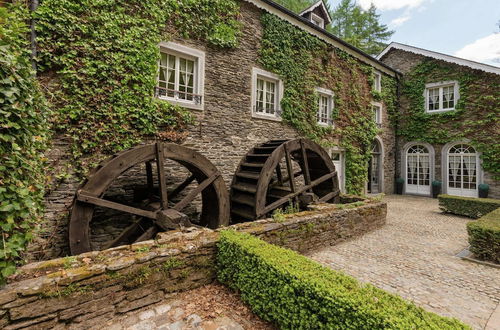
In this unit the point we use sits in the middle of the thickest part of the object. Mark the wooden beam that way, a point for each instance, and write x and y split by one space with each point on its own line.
289 168
86 198
305 162
285 199
192 194
182 186
161 175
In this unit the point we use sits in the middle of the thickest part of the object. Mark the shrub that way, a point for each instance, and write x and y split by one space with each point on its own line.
468 206
294 292
484 236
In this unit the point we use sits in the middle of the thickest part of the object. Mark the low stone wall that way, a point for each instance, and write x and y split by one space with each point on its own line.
89 289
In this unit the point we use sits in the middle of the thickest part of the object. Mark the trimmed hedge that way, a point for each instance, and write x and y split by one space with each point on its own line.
295 292
484 236
468 206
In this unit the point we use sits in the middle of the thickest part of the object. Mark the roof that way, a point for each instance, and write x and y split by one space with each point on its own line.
440 56
306 25
322 7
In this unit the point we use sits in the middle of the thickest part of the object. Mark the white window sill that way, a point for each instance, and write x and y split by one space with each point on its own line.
266 117
439 111
184 104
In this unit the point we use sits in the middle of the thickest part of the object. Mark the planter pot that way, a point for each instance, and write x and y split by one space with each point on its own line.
436 189
483 190
399 186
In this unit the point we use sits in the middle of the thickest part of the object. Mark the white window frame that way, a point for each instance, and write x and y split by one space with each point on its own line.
440 85
269 76
377 81
329 94
378 119
317 20
198 57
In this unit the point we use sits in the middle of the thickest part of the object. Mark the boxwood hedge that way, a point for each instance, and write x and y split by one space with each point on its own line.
467 206
484 236
294 292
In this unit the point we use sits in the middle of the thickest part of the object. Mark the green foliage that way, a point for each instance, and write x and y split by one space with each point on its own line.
295 292
476 116
467 206
22 139
484 236
105 55
361 28
304 63
279 214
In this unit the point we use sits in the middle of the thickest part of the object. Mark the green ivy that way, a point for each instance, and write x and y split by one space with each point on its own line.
104 54
476 115
304 62
23 134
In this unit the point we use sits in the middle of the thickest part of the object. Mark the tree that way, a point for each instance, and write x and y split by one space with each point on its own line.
361 28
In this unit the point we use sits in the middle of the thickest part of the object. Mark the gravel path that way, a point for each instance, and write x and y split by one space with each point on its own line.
413 255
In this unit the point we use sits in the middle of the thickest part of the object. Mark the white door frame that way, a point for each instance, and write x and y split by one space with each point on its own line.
341 174
404 167
381 159
445 164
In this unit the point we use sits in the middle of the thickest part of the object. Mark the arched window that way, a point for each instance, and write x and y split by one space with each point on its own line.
462 170
418 170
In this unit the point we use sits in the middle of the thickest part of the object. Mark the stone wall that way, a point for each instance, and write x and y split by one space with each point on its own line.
405 62
224 131
89 289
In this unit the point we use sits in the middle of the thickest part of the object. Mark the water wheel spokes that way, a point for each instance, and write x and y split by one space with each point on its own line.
154 208
279 172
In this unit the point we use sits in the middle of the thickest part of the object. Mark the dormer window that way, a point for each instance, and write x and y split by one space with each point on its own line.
317 14
317 20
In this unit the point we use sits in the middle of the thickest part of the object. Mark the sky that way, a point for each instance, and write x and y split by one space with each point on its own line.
463 28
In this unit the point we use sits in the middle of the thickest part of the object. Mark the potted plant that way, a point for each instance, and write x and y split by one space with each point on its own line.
399 185
483 190
436 188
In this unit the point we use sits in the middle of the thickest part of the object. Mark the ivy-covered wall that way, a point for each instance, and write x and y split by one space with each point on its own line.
304 62
476 116
98 65
23 133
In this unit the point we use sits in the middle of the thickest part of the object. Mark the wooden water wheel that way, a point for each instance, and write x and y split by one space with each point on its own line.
156 207
278 172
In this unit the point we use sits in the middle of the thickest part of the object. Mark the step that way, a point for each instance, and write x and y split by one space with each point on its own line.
254 165
250 188
248 175
242 213
243 199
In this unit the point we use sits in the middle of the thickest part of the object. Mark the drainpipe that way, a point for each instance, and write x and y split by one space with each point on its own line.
397 155
33 8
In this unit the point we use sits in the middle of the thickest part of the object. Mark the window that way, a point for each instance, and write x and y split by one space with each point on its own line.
180 75
267 91
440 97
325 106
317 20
377 114
377 81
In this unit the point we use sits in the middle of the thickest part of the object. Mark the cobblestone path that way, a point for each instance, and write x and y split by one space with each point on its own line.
413 255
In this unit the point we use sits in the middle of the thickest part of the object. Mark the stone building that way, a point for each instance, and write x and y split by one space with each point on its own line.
458 101
237 104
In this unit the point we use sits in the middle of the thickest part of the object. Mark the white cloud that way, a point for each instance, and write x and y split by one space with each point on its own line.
400 20
391 4
486 50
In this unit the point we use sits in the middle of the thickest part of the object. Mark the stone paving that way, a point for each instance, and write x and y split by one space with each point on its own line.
414 256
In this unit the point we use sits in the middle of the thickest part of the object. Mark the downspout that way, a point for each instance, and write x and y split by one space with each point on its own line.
33 8
397 155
